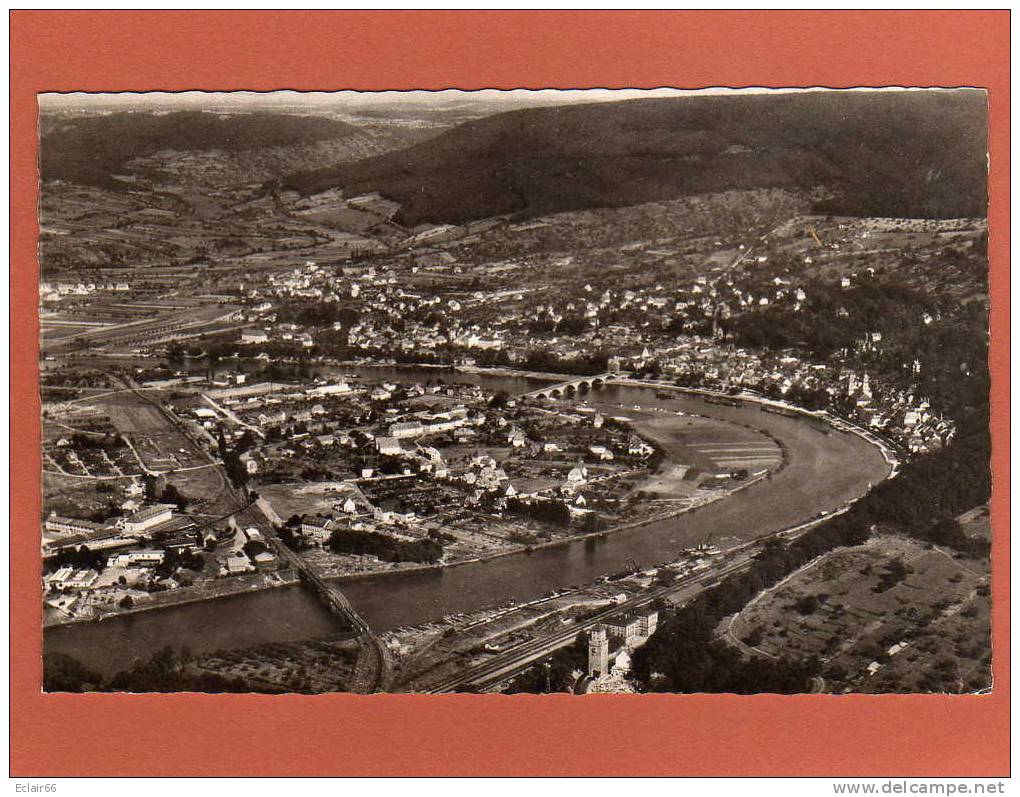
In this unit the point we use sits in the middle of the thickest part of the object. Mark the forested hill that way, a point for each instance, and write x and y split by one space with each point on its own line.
91 149
906 154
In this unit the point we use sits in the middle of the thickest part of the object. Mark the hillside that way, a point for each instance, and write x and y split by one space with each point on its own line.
90 150
919 154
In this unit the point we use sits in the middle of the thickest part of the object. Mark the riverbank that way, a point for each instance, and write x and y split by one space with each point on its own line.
824 474
539 546
527 549
704 497
182 597
887 447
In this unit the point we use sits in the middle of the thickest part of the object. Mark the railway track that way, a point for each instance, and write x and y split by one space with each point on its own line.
510 663
523 656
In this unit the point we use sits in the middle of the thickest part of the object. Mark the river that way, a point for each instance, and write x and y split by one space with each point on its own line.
826 470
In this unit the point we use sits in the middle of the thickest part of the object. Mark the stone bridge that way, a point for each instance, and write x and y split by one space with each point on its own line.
570 387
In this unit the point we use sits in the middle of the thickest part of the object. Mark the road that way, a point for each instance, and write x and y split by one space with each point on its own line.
230 415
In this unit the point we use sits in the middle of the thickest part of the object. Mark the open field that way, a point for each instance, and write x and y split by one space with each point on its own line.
158 442
139 325
310 498
698 444
76 497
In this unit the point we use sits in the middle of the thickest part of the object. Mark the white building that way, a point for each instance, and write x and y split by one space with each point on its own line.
140 558
69 578
389 446
406 429
66 525
254 336
146 518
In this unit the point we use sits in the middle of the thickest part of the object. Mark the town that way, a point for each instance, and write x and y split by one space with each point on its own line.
275 391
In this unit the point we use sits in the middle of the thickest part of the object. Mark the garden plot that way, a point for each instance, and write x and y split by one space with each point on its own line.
891 615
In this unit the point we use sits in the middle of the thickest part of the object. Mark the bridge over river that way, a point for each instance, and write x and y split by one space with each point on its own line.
369 669
570 386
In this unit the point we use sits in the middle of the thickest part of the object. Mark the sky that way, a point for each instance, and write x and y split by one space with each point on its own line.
352 99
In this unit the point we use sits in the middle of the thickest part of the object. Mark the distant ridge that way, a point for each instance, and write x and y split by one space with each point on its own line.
91 149
895 153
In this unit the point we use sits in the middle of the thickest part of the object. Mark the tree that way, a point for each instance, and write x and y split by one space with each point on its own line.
383 547
499 399
63 673
807 604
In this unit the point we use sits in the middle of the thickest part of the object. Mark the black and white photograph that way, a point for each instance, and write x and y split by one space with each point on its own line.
515 391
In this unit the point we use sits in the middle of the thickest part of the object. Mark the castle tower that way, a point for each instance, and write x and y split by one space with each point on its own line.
598 652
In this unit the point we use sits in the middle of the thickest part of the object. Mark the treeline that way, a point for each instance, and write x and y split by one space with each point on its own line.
166 671
383 547
912 154
92 149
107 442
555 512
231 457
80 558
549 362
684 655
924 500
316 314
872 305
332 344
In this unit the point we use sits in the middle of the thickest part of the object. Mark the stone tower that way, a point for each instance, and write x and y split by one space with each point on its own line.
598 651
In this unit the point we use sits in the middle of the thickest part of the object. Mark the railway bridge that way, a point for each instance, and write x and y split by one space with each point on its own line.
371 667
332 597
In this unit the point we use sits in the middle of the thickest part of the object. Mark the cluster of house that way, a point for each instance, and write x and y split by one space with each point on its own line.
434 423
248 552
899 413
638 324
271 404
119 540
718 364
484 478
348 514
63 532
481 478
55 291
130 554
380 301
